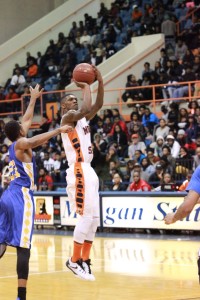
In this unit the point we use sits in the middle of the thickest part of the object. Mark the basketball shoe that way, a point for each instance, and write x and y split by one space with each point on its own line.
77 269
86 266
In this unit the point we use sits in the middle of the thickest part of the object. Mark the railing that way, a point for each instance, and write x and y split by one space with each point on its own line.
125 109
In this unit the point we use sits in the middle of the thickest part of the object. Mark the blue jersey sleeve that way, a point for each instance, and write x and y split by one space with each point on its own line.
194 183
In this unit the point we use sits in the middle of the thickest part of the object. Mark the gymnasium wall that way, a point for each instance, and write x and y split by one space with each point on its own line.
36 37
17 15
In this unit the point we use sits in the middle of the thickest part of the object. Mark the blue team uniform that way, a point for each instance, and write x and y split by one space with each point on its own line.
17 204
194 183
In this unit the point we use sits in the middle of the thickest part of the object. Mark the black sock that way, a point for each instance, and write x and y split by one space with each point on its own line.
22 293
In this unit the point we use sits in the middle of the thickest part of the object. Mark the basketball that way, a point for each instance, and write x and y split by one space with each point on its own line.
84 73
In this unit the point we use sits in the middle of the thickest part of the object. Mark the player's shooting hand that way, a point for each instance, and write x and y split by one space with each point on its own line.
97 73
65 129
169 218
36 92
81 85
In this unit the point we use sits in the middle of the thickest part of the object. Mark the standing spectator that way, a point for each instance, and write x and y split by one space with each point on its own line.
168 28
180 50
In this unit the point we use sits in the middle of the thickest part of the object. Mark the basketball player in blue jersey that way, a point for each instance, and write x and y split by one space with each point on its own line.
192 198
82 181
16 204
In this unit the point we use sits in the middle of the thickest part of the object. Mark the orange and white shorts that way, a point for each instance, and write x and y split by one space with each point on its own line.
83 189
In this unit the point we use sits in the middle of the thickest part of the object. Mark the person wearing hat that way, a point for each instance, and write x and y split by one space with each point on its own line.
136 145
174 145
157 146
181 137
156 177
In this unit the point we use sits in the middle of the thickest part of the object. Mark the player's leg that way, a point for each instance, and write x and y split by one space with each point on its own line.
74 263
87 245
23 256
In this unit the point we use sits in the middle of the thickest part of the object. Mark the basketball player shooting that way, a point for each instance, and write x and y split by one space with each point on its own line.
82 181
17 204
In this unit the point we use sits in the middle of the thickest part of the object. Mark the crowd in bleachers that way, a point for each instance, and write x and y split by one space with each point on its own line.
146 153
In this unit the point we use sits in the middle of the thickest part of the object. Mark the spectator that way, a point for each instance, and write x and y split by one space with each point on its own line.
32 69
48 162
183 186
191 130
120 141
162 129
196 158
117 183
45 181
138 184
157 146
180 50
174 145
136 145
181 137
147 169
149 119
166 184
17 81
156 177
184 162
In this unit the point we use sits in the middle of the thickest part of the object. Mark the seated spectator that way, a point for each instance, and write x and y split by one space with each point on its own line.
191 129
45 181
174 145
146 169
138 184
138 156
12 95
184 162
183 90
121 123
136 15
156 177
17 81
48 162
136 145
181 137
131 95
162 129
173 115
100 142
183 186
166 184
32 69
180 49
120 140
157 146
149 119
117 183
152 157
129 171
182 118
166 153
196 158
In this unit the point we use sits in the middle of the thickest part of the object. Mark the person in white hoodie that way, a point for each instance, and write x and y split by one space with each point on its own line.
174 145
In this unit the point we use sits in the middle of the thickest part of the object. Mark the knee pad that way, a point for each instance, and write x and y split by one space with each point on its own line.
2 249
82 228
23 256
92 231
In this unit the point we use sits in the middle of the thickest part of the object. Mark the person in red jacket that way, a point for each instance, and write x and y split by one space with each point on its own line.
138 184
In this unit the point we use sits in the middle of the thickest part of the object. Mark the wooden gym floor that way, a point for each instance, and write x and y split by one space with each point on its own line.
132 267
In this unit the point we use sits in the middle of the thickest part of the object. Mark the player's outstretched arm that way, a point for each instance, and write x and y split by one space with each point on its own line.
28 116
100 95
29 143
184 209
